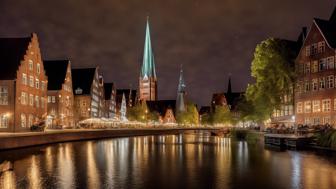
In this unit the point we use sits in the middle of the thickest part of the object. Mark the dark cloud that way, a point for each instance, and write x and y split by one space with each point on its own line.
212 38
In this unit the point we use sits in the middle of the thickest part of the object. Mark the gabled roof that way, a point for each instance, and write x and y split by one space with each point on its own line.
108 87
83 78
328 30
161 106
56 71
120 92
12 51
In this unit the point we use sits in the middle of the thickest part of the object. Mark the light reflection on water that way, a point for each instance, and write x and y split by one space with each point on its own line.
169 161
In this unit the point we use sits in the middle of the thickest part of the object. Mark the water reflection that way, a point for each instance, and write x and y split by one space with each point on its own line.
170 161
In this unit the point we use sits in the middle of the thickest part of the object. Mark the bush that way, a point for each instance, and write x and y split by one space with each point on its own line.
326 138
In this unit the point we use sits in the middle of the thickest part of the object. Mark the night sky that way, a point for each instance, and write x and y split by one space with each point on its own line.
211 38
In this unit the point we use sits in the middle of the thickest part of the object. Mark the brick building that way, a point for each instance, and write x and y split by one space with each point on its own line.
23 84
88 90
315 92
165 108
60 94
110 100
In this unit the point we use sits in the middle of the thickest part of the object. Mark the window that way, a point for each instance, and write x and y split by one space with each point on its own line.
53 99
315 67
321 47
24 79
42 85
24 98
78 91
37 83
4 119
49 99
23 120
30 120
326 120
335 104
330 62
322 83
31 100
314 48
325 105
307 86
315 84
323 64
308 50
316 106
38 68
307 120
37 101
31 81
299 107
307 106
316 121
330 81
307 68
3 95
31 64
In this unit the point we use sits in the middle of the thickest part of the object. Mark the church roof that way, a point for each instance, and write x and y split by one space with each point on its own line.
12 51
82 78
56 71
148 65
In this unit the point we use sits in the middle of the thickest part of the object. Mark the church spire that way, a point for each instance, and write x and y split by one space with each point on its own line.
229 90
180 101
148 65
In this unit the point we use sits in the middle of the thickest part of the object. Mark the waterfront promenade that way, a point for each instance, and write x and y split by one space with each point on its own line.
26 139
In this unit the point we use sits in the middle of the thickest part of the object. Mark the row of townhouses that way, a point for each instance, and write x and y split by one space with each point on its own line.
313 100
33 90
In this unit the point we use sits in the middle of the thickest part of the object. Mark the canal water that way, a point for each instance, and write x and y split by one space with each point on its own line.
170 161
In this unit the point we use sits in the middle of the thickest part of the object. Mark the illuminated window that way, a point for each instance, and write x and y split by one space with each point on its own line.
314 49
38 68
3 95
31 81
37 83
31 100
323 64
330 62
307 68
315 84
316 106
315 67
307 106
30 120
23 120
24 98
24 79
4 119
31 64
326 105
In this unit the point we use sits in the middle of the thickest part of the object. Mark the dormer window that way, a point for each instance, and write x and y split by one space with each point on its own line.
79 91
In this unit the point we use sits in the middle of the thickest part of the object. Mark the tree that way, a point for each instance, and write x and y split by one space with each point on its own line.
273 70
222 115
189 116
138 112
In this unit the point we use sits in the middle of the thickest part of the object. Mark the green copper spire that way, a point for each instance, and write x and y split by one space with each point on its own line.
148 65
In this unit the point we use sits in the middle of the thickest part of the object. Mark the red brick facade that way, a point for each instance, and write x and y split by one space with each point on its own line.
315 92
27 92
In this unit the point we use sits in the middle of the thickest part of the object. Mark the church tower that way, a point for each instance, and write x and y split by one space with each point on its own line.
180 101
147 79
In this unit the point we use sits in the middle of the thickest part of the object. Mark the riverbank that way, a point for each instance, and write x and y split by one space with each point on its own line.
20 140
